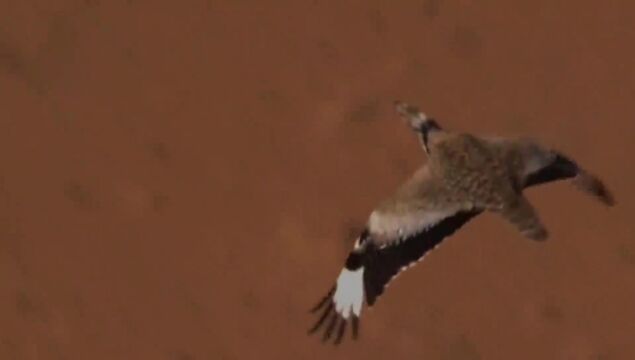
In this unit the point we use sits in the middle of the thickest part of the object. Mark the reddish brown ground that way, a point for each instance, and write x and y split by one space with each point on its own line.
180 180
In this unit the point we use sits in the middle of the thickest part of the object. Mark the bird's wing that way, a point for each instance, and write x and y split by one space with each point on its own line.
384 262
391 242
524 217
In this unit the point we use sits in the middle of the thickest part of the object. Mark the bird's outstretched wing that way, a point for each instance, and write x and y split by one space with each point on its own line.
391 243
384 263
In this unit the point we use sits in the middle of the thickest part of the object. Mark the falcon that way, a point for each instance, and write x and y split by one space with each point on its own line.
464 176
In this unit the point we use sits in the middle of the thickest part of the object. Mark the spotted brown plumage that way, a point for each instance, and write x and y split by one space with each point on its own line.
464 176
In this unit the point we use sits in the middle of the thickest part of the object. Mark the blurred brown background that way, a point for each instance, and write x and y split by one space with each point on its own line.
182 180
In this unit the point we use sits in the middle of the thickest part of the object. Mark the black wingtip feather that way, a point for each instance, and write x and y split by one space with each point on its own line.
321 320
355 327
323 301
340 332
330 327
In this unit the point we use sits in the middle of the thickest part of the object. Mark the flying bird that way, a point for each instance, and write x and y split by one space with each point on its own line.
464 176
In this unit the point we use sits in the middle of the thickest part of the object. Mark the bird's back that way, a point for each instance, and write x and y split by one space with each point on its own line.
473 169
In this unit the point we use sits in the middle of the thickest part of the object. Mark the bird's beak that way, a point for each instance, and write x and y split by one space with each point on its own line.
416 119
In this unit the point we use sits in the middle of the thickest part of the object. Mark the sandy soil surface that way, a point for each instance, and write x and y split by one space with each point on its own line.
182 180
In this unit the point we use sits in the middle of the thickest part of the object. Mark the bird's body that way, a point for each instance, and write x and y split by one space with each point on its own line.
464 176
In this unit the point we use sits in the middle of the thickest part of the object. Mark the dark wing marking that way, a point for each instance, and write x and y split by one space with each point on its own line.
559 169
382 264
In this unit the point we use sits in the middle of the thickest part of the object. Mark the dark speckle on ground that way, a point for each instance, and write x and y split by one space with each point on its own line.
378 22
461 349
23 304
79 195
11 60
431 8
367 111
181 355
552 312
328 51
434 314
606 356
92 3
160 202
271 97
626 254
160 150
80 305
9 349
251 301
128 52
28 308
465 42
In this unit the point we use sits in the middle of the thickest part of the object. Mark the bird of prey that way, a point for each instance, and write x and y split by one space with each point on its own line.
464 176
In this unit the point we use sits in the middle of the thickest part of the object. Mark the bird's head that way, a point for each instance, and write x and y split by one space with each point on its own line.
417 120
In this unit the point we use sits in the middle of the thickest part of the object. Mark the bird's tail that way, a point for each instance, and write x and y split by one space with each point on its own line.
592 185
